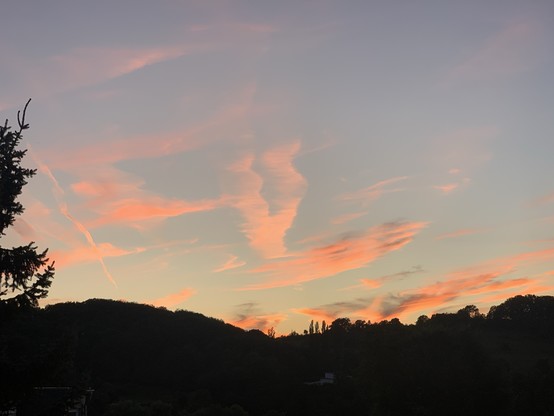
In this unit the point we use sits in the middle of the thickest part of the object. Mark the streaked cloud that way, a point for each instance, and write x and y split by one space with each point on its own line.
360 308
267 218
460 233
349 252
174 299
373 192
249 316
232 263
376 282
86 254
135 210
446 189
513 50
343 219
62 206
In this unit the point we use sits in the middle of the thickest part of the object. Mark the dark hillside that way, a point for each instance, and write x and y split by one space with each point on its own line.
142 360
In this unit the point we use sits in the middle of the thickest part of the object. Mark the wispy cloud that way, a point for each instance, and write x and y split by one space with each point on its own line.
232 263
513 50
62 205
269 216
446 189
351 251
343 219
460 233
85 254
249 316
173 299
376 282
492 281
365 308
373 192
135 210
484 279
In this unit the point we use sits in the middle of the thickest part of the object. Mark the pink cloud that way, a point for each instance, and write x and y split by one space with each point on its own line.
448 188
483 283
343 219
317 314
372 192
249 316
173 299
483 279
85 254
136 210
371 284
232 263
260 322
86 66
63 208
349 253
267 219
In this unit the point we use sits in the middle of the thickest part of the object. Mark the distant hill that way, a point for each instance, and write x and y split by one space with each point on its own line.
142 360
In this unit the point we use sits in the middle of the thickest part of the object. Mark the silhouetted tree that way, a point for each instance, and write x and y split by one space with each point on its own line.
25 274
470 311
316 327
323 326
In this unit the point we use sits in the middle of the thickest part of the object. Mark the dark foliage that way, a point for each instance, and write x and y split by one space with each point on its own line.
142 360
25 274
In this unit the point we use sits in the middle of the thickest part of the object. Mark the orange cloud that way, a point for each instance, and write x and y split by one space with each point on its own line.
471 282
85 254
230 264
371 284
249 317
362 308
62 205
488 282
267 220
260 322
448 188
317 314
372 192
342 219
173 299
101 155
349 253
133 210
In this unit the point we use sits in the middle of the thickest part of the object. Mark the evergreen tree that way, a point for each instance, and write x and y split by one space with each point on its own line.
25 273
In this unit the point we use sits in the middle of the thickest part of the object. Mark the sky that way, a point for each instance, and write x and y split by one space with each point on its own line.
273 163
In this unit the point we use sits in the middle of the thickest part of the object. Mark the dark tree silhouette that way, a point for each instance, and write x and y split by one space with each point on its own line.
25 273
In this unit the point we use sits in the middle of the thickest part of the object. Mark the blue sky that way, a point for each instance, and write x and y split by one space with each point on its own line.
273 163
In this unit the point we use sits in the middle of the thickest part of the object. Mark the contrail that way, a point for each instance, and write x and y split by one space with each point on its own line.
62 205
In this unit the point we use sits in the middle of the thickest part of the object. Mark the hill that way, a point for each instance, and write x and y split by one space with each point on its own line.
142 360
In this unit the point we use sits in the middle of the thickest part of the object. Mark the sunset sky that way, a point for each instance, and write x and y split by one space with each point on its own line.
270 163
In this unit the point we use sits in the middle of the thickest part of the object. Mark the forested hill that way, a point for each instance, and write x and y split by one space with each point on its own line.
142 360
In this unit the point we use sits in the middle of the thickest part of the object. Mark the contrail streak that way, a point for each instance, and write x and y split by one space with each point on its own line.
62 206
